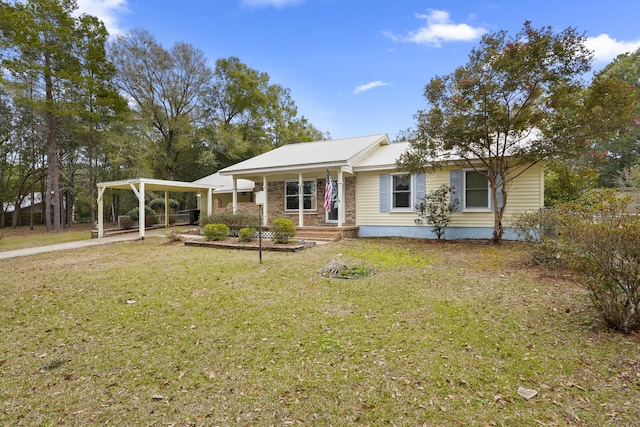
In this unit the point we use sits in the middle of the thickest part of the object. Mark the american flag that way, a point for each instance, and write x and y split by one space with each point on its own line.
328 192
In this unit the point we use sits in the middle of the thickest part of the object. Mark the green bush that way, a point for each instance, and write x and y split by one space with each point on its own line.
216 231
539 230
601 244
126 223
436 209
150 217
234 221
158 204
246 234
283 230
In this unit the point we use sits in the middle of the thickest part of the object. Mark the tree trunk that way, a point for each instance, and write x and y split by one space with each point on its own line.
92 193
52 192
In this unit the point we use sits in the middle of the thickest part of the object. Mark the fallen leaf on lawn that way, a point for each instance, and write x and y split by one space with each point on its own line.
131 301
527 393
499 399
157 397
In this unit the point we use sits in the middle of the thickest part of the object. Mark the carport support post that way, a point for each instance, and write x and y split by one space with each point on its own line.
166 209
101 212
141 212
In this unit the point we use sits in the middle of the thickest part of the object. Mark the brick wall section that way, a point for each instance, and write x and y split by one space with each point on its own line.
275 197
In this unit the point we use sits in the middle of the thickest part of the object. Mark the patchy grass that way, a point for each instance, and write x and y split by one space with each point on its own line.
145 333
21 238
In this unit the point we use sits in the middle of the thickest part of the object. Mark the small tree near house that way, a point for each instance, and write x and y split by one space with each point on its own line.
436 209
517 101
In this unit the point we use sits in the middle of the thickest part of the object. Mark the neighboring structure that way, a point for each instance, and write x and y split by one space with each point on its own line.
214 194
371 193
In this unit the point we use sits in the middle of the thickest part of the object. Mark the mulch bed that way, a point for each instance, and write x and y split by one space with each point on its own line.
254 245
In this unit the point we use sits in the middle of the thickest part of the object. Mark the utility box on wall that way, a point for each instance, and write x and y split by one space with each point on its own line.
260 197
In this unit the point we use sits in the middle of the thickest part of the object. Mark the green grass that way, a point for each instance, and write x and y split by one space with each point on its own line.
150 333
22 238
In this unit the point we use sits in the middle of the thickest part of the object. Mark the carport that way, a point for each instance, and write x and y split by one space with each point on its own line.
140 185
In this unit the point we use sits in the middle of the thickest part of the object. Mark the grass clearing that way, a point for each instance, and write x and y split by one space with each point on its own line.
156 333
21 238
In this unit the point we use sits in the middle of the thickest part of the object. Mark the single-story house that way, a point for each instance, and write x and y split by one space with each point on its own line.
371 195
370 198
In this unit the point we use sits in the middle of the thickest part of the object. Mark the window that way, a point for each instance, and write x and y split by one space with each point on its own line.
292 195
476 190
401 191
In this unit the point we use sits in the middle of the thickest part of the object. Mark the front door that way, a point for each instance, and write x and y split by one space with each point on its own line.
332 214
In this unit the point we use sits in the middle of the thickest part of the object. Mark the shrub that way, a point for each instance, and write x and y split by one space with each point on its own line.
234 221
436 209
246 234
158 204
283 230
539 230
150 217
173 236
126 222
601 244
216 231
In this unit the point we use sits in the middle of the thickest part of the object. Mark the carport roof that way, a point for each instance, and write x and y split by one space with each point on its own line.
157 185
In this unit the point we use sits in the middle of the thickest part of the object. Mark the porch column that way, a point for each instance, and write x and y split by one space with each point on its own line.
166 209
209 194
300 201
341 202
265 207
141 213
101 212
235 195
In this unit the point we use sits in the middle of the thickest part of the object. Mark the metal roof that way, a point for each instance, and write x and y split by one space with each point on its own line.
308 155
156 185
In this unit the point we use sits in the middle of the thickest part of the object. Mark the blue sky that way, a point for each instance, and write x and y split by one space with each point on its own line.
359 67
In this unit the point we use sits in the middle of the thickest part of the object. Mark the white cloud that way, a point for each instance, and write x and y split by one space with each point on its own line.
273 3
369 86
606 48
439 29
108 11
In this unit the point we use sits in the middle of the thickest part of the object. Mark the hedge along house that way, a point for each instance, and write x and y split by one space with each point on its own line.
372 198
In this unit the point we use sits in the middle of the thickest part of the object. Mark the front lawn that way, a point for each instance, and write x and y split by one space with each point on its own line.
156 333
21 238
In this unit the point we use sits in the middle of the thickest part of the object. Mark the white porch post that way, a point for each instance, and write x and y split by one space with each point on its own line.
166 209
265 207
141 212
300 201
101 211
209 201
341 201
235 195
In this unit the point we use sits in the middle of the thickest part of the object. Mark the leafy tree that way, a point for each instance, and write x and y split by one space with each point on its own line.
567 181
166 87
37 37
249 115
517 100
98 102
612 157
